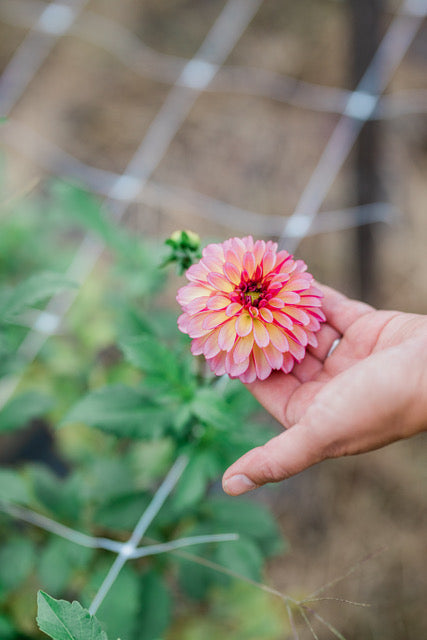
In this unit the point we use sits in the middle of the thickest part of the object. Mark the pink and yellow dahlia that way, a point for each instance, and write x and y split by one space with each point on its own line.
249 308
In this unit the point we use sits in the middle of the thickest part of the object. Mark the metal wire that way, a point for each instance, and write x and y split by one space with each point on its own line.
196 75
192 78
52 23
137 56
358 109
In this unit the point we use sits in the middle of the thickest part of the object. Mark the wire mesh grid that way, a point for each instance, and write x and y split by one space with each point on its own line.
188 79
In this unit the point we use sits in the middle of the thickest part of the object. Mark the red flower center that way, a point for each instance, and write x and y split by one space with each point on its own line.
251 292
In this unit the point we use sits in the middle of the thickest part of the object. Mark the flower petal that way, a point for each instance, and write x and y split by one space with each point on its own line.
278 337
232 273
233 368
211 347
227 336
217 364
310 301
190 292
249 263
212 319
250 374
297 314
299 335
268 262
262 366
266 314
244 324
297 350
288 363
295 285
233 308
276 303
274 356
215 303
220 282
282 319
261 335
243 347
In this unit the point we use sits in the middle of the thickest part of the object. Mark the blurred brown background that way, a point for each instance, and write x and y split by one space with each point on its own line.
238 163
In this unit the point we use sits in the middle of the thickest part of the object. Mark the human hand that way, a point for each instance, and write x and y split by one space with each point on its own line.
370 391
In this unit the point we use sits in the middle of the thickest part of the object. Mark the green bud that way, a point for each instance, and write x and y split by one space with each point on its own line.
185 246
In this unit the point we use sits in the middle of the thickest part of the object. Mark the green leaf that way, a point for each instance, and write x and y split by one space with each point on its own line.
62 620
195 579
209 407
7 630
123 512
63 497
242 556
22 408
119 610
154 358
120 410
36 288
246 517
155 604
77 205
17 558
108 479
13 488
58 561
201 469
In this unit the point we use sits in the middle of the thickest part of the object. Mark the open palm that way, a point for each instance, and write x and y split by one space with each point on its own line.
371 390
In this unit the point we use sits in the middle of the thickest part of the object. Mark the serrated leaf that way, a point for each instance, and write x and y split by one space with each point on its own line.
22 408
36 288
62 620
200 470
151 356
120 410
210 408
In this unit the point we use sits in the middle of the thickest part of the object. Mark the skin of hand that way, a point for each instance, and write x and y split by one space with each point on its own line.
370 391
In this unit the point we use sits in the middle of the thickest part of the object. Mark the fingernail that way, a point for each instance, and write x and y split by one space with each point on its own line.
238 484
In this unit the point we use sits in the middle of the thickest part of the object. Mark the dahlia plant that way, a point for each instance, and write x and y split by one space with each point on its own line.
249 308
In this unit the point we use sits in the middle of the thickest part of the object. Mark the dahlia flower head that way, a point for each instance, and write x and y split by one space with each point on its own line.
249 308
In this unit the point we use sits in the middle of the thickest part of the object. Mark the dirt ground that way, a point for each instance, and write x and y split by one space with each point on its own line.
258 154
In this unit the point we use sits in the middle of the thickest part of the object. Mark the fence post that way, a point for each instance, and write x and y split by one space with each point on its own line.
365 17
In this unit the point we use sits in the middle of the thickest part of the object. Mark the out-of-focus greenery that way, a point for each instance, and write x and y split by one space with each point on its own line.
122 397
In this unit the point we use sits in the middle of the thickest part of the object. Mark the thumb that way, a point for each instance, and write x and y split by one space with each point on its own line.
281 457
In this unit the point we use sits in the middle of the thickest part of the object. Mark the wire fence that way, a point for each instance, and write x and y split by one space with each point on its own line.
47 24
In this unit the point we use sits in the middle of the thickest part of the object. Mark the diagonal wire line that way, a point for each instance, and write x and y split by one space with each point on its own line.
57 162
144 522
196 75
147 62
360 106
94 542
52 23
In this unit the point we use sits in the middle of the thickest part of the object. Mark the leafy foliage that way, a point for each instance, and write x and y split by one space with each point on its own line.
128 398
61 620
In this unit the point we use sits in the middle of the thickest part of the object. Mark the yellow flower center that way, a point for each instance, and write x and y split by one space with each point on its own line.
254 295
